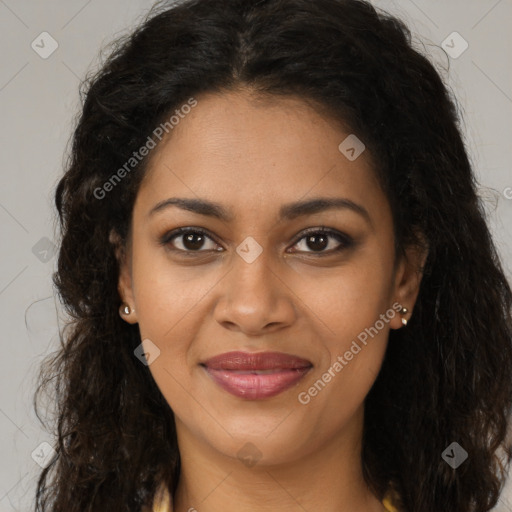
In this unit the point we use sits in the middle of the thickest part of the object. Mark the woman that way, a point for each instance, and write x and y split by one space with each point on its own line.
283 289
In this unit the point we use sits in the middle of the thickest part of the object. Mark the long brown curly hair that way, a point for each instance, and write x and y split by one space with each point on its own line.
447 377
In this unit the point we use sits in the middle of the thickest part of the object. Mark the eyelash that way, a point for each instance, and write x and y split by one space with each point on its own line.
345 241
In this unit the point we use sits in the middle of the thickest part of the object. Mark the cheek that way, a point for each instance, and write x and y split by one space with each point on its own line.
354 309
168 295
350 299
355 346
167 303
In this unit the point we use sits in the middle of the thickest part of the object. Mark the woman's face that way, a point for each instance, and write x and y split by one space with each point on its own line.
256 281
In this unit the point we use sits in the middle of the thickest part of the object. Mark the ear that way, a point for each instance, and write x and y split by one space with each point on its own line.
124 283
408 278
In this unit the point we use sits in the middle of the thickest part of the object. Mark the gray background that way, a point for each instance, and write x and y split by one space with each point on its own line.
38 101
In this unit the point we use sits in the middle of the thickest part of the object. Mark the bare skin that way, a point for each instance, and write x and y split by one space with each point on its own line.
252 158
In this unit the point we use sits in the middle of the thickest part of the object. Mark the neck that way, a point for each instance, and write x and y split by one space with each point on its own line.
328 478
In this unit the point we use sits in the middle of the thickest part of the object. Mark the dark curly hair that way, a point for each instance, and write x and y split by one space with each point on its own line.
447 377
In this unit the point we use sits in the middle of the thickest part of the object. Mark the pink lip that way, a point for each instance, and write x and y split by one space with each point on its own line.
236 373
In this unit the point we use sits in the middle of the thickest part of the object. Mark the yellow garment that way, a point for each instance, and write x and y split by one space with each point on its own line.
163 502
389 505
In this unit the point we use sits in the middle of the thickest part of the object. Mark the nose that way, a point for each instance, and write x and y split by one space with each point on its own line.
255 298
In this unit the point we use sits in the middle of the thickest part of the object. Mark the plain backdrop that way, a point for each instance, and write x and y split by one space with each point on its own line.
39 99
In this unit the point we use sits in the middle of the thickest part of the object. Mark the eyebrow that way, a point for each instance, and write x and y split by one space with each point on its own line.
287 212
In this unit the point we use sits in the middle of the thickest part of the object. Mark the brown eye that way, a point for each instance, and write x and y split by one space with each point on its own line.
318 240
189 240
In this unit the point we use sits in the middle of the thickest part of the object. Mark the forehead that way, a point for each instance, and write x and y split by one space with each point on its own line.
247 151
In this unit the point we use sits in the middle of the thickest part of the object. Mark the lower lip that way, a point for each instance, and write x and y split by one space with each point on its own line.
256 386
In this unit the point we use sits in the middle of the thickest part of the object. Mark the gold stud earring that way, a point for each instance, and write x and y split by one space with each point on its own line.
403 311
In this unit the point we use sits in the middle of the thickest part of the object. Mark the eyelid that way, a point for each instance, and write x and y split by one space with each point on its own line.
320 229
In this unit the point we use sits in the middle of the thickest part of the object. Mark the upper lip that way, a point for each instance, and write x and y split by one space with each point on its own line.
256 361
